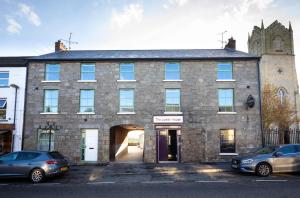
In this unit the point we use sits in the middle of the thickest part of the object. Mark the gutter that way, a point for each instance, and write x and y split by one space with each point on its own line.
25 106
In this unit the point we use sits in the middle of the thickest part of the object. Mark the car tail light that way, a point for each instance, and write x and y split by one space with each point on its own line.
51 162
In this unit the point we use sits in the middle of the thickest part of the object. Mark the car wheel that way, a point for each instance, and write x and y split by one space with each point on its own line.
263 169
37 175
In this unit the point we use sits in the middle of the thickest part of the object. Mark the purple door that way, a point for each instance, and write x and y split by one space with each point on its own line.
163 145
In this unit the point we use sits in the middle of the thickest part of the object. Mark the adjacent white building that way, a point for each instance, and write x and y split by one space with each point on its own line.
12 98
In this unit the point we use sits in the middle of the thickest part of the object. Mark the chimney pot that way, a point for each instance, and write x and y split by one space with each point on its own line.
231 44
59 46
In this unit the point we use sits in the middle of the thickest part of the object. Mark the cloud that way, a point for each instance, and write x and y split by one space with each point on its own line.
130 14
31 16
13 26
177 3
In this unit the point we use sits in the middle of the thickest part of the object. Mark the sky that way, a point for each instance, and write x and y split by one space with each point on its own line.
30 27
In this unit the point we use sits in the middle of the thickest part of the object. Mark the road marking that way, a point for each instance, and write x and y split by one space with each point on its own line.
212 181
46 184
95 183
271 180
158 182
3 184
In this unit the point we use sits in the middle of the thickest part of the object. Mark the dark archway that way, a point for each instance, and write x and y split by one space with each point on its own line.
126 143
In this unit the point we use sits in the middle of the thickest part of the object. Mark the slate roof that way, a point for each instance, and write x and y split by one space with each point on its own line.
174 54
13 61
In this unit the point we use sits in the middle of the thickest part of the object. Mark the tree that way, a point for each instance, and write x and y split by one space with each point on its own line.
275 112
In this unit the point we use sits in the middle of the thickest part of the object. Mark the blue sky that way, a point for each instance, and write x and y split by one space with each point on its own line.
30 27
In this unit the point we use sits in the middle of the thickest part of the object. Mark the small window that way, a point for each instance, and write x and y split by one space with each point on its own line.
44 138
52 72
3 104
281 94
87 71
87 100
172 103
51 101
227 141
27 155
4 78
126 100
127 71
226 100
172 71
287 149
225 71
277 44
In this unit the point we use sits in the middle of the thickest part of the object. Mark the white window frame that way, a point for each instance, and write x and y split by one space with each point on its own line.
5 72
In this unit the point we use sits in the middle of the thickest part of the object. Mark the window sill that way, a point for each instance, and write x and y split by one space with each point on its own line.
86 81
125 113
126 80
224 154
51 81
227 113
49 113
229 80
173 113
172 80
85 113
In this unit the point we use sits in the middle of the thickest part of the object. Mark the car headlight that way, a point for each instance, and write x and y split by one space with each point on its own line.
247 161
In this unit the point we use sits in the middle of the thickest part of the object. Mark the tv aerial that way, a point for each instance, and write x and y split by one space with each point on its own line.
69 41
222 41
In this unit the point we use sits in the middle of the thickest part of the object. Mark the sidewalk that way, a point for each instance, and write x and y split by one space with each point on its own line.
140 172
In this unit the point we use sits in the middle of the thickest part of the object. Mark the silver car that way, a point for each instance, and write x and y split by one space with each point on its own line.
273 159
36 165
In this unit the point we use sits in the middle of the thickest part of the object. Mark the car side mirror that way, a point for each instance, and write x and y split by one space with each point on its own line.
278 154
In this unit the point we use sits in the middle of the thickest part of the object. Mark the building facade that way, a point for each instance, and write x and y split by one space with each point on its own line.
275 45
12 101
192 105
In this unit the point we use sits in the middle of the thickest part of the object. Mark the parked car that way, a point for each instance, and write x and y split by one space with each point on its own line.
36 165
267 160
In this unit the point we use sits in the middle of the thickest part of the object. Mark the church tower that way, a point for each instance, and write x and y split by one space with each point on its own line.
275 45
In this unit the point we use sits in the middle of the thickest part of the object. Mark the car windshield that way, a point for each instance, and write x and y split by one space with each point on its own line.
266 150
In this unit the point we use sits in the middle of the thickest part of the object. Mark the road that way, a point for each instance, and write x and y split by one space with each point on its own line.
136 190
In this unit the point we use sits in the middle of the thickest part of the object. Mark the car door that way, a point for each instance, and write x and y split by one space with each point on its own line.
6 162
23 164
284 159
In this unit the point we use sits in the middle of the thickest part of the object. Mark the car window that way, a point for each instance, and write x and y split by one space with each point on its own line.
287 149
298 148
56 155
27 156
9 157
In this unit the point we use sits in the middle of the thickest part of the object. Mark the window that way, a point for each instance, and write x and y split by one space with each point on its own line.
172 71
281 94
3 104
52 72
87 71
126 100
127 71
224 71
172 100
287 149
44 139
27 155
227 141
4 76
277 44
9 157
87 100
51 101
226 100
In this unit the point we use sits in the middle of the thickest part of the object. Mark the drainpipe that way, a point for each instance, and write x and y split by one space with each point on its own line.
260 102
15 110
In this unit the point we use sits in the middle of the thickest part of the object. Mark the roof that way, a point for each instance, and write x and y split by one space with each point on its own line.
173 54
13 61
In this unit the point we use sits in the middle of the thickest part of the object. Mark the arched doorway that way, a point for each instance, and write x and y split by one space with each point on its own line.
126 144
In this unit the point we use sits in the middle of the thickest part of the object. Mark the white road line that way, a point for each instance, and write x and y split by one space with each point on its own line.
95 183
271 180
212 181
158 182
3 184
46 184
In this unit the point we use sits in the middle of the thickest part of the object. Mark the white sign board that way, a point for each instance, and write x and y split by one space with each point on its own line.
168 119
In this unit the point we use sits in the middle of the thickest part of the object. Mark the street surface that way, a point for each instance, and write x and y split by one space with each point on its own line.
180 180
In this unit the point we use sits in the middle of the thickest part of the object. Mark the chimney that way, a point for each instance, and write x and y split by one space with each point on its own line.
230 44
59 46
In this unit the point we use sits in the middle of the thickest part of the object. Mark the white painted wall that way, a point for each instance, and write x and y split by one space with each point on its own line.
17 75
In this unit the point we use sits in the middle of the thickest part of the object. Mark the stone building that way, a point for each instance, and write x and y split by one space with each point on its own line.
275 45
179 105
12 101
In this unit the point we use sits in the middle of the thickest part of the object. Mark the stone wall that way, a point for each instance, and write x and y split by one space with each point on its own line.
199 103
